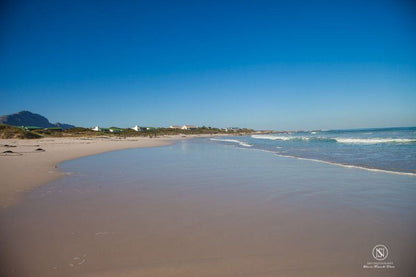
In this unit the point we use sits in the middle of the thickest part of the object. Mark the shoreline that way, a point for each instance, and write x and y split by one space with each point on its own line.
337 164
27 167
345 165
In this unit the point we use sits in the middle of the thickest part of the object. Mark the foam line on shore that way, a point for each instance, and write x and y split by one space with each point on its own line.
347 165
336 164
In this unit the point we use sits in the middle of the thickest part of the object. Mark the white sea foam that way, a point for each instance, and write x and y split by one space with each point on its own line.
339 139
290 138
277 153
348 165
374 140
274 137
234 141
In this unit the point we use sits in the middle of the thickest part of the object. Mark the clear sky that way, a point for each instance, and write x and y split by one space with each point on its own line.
259 64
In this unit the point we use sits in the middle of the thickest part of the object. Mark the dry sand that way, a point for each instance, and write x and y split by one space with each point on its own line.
28 167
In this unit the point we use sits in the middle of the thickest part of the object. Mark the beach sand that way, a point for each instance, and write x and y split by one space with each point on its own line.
27 168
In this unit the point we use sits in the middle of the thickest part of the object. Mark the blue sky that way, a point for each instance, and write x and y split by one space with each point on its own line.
258 64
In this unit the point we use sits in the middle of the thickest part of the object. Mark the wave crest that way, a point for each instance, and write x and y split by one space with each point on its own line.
338 139
234 141
374 140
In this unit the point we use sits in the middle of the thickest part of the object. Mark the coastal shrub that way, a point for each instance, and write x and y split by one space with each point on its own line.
7 131
10 132
29 135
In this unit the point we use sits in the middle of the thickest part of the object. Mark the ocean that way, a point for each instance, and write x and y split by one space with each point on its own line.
384 149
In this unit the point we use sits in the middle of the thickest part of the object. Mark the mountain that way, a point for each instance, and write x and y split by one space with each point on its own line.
26 118
64 126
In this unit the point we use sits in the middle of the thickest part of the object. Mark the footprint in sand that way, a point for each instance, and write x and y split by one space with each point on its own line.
78 260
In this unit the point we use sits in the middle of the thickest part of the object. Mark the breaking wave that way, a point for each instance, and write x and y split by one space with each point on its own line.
234 141
375 140
348 165
339 140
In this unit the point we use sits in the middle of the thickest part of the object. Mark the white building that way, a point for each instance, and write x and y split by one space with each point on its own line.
232 129
136 128
189 127
96 128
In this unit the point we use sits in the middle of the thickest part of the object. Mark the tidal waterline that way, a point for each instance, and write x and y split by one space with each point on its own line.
199 208
382 149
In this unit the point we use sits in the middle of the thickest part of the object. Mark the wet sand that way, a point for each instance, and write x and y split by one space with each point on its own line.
200 209
32 163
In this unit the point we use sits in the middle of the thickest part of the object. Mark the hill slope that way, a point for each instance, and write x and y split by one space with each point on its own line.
26 118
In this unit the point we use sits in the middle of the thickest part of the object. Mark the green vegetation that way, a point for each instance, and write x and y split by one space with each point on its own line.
155 132
7 131
12 132
80 132
152 132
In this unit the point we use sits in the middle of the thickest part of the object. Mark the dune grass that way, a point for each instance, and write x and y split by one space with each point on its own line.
10 132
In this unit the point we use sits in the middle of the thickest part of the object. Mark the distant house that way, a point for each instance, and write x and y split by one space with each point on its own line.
53 129
189 127
175 127
232 129
136 128
31 128
115 130
99 129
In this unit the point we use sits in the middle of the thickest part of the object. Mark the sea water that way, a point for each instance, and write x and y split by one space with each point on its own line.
387 149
